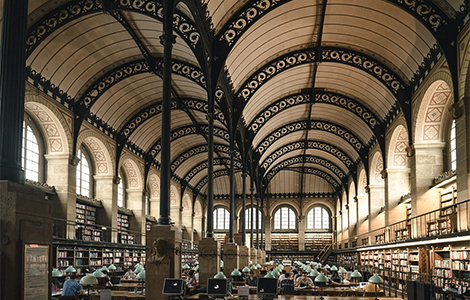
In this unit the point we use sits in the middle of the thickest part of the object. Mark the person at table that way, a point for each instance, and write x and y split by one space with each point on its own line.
304 281
251 280
335 279
282 276
191 284
263 271
72 287
105 280
370 288
287 284
129 274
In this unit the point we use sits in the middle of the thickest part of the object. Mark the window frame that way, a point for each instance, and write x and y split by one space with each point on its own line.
248 218
452 150
122 185
28 121
215 219
307 228
279 210
91 183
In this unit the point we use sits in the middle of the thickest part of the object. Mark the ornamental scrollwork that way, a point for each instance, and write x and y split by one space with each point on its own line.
203 182
203 166
143 116
279 133
190 72
238 25
195 151
323 175
428 13
311 145
273 68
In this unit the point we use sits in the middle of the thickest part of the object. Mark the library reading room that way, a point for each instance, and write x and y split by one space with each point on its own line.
235 149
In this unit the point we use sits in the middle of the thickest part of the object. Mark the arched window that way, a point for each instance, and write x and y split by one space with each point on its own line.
221 219
31 152
248 218
318 218
453 147
83 175
284 218
121 197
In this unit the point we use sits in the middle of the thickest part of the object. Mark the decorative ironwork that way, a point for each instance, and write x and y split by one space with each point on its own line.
156 109
195 151
219 173
431 15
329 54
273 68
187 130
240 23
314 125
311 145
134 68
309 170
203 166
320 97
308 159
76 9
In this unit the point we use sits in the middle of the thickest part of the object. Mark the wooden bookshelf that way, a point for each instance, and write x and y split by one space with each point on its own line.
85 227
284 242
446 222
124 237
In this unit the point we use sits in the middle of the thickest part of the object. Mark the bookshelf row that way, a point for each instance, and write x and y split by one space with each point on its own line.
87 258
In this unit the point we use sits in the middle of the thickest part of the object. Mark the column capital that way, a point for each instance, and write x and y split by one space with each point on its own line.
167 39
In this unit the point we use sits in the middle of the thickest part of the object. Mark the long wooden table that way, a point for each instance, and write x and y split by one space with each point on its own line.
119 295
305 297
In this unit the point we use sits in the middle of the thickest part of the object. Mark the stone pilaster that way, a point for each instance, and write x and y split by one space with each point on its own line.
231 259
209 259
253 256
362 214
135 202
62 175
106 190
25 218
244 257
376 204
163 258
260 257
302 226
397 185
267 230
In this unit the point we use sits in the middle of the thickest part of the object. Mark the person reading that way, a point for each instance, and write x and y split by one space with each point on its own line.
72 287
304 281
105 280
251 280
287 284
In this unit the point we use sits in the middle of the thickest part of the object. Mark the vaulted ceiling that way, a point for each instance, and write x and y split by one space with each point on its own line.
308 86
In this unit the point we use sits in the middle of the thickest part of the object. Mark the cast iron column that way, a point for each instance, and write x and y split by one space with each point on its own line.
243 208
251 214
257 222
232 191
12 88
167 39
210 168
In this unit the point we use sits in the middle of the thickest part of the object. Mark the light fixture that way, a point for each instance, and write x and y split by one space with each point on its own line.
333 269
314 273
98 273
258 266
321 279
112 267
356 275
70 269
327 266
269 275
342 270
275 273
186 267
246 269
376 279
220 275
56 273
235 273
88 280
138 269
104 268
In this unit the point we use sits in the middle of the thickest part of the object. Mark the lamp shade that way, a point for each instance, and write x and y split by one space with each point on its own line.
236 272
246 269
356 274
70 269
104 268
333 268
88 279
138 269
327 266
376 279
314 273
342 270
254 267
220 275
269 275
98 274
56 273
276 273
196 268
141 275
258 266
186 267
321 278
112 267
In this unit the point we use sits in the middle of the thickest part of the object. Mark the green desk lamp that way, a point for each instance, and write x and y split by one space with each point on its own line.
98 273
70 269
356 275
376 279
333 269
321 279
186 267
276 273
314 273
56 273
246 269
112 268
88 280
104 268
269 275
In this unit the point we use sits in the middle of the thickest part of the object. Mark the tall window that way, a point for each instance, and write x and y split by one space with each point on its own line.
121 197
248 218
453 147
318 219
284 218
221 219
30 150
83 175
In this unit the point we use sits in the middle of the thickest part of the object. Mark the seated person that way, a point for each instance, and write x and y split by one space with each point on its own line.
251 280
370 288
129 274
287 284
335 278
72 287
105 280
304 281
